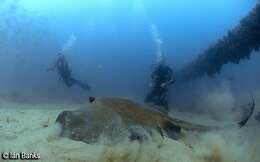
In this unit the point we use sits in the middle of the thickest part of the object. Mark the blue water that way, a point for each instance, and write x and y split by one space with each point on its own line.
108 43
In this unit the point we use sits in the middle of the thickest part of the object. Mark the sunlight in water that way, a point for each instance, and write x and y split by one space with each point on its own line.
69 5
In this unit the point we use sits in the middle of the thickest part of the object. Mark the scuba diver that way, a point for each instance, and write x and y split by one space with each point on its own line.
162 78
64 71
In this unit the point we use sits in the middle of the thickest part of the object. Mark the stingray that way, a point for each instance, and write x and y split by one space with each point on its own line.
133 113
139 120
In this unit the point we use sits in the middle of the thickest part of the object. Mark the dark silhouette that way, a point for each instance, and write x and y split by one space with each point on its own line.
238 44
257 117
162 78
64 71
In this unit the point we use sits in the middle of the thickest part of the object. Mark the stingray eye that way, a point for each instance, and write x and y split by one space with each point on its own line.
91 99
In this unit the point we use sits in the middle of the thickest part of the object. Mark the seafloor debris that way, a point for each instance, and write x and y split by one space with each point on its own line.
118 118
238 44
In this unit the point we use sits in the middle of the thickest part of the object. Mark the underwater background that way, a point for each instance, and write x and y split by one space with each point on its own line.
110 44
113 45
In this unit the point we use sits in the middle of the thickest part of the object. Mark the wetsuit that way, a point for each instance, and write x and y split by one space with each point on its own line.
65 73
158 94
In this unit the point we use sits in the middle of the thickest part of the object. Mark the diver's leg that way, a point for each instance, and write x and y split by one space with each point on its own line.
165 102
163 99
152 96
65 77
80 84
149 96
67 81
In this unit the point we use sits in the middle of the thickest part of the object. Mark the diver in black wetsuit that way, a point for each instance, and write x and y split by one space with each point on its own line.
64 71
162 78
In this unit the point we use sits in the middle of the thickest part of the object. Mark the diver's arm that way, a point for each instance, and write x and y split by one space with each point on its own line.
172 80
53 67
169 82
171 77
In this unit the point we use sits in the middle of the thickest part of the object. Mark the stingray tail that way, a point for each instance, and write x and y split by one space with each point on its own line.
175 125
245 120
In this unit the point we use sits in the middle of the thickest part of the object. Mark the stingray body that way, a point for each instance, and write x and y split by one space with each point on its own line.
138 114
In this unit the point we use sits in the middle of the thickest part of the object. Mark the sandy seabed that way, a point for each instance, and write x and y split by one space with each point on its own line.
31 128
